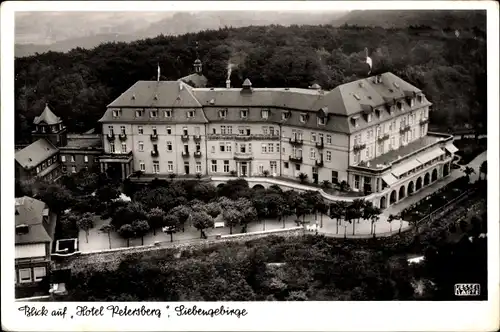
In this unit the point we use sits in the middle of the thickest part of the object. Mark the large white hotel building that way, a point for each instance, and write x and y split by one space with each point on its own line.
371 133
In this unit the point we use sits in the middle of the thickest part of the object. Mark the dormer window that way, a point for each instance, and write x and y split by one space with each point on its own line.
420 98
357 97
22 229
265 114
285 115
153 113
139 113
222 114
168 113
354 121
412 102
400 106
321 121
190 114
369 118
302 118
244 114
116 113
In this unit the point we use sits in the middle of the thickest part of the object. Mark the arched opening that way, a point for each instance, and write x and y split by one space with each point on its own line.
402 192
411 188
446 169
419 184
393 197
258 187
427 179
220 185
383 203
434 175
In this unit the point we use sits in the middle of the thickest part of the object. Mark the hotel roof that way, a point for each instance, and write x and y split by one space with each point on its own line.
47 117
35 153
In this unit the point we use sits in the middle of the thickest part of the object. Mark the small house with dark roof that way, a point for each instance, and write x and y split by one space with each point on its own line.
38 160
34 234
50 127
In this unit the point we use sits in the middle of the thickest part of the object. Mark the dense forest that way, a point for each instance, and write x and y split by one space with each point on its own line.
449 65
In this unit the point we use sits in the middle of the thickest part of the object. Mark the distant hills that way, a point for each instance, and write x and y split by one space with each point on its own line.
63 31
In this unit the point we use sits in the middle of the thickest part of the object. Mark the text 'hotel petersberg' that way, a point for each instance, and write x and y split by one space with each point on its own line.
371 133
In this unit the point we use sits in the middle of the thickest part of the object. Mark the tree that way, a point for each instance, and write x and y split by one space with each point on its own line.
390 219
172 176
344 186
374 217
265 173
198 176
201 221
326 184
156 218
171 225
302 177
141 228
107 193
107 228
85 223
182 213
468 171
213 209
483 168
57 197
232 217
359 205
127 231
128 214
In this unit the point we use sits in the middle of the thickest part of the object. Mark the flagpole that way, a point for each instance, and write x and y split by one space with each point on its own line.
158 78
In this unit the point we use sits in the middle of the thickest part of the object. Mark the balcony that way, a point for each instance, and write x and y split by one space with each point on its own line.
155 153
154 137
320 163
295 159
320 145
185 153
197 154
123 137
404 129
359 147
256 137
111 137
197 138
295 141
243 156
382 138
424 121
185 138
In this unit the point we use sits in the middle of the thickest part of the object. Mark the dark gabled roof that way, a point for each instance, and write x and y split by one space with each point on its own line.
195 80
47 117
29 211
157 94
35 153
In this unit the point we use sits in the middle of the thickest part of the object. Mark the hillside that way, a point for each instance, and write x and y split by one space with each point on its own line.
78 85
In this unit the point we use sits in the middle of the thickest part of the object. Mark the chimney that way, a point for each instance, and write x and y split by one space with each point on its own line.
228 84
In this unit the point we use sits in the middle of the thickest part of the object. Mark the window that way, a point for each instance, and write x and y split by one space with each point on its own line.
170 166
321 138
321 121
274 167
379 131
328 156
185 131
312 154
72 158
112 147
141 146
222 113
214 166
54 159
153 113
63 158
156 167
265 114
357 139
302 118
154 131
264 130
247 131
73 169
111 130
243 148
313 137
122 130
168 113
198 167
241 130
213 148
297 167
190 114
271 131
369 118
49 161
222 147
37 169
356 181
261 169
285 164
64 169
229 130
142 166
244 114
24 275
39 273
43 129
169 130
140 130
285 115
400 106
249 147
329 139
86 158
223 130
124 147
115 113
270 147
228 146
226 166
335 177
139 113
356 157
367 152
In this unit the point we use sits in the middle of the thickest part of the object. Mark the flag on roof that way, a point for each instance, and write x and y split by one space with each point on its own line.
368 61
158 79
